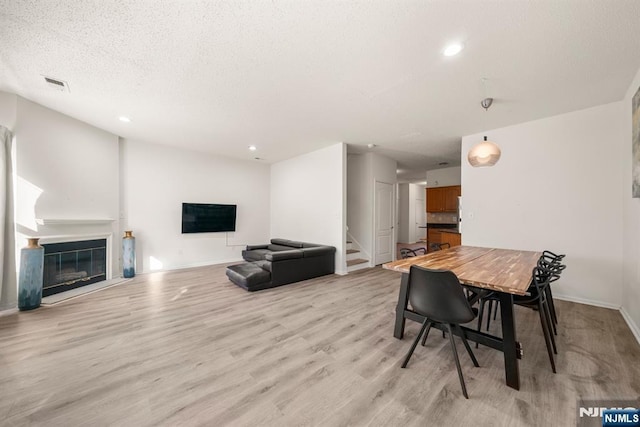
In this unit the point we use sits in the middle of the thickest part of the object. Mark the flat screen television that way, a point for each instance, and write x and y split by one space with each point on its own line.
208 218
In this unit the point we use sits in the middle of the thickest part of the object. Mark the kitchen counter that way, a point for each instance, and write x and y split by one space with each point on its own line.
448 230
439 226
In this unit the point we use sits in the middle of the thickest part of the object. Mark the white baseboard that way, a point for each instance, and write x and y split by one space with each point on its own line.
8 311
634 328
194 265
586 301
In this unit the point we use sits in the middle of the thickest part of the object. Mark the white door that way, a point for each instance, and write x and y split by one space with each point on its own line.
383 223
421 220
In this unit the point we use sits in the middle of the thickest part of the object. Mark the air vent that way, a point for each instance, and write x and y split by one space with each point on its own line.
57 84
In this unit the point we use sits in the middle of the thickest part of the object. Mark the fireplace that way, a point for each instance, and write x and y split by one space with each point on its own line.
70 265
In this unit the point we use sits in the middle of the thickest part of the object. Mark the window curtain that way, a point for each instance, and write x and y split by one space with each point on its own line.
8 291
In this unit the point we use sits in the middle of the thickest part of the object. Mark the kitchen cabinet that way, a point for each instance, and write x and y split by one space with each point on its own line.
453 239
451 195
433 236
435 199
443 199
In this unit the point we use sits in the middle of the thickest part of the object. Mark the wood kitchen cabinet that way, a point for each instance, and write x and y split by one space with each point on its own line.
443 199
453 239
433 236
435 199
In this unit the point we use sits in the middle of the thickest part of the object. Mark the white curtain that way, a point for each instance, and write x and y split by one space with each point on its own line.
8 291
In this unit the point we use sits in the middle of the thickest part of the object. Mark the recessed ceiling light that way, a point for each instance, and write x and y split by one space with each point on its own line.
371 145
252 148
452 49
125 119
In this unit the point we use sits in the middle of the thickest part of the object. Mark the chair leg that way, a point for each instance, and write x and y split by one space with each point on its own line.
455 356
552 308
553 305
546 333
466 345
545 307
426 334
495 312
415 343
480 313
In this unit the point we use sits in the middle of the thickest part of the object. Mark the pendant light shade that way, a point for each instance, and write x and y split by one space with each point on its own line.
484 154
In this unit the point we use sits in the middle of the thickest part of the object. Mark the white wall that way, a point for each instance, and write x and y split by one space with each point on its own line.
631 210
417 192
407 212
8 289
66 169
308 199
363 171
404 214
8 107
360 202
445 177
558 187
158 179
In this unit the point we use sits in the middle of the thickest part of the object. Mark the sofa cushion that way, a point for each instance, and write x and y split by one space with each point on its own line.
282 255
318 251
248 275
311 245
265 265
285 242
276 248
255 254
254 247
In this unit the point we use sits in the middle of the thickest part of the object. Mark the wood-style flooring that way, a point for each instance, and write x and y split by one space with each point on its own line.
188 347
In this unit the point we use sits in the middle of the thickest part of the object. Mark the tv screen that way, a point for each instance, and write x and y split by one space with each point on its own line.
208 218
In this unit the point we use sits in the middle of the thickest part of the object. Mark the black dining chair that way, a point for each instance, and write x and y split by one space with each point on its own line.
551 263
549 258
538 301
439 246
438 296
409 253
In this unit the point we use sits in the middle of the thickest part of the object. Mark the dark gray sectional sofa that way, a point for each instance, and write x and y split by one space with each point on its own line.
281 262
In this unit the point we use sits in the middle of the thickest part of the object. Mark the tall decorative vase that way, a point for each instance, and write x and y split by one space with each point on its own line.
30 276
128 255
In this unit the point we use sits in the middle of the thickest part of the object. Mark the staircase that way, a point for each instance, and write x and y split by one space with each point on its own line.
354 258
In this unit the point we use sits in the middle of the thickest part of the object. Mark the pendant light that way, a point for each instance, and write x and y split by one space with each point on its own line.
485 153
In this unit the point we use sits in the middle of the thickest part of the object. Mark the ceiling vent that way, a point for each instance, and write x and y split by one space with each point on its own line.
56 84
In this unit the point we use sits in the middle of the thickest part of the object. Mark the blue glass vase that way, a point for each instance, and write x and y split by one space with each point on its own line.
30 276
128 255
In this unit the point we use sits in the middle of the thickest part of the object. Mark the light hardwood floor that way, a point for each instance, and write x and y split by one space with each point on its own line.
189 348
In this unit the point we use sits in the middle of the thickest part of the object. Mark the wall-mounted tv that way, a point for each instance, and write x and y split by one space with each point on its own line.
208 218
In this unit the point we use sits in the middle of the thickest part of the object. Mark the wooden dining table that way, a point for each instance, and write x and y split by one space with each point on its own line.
506 272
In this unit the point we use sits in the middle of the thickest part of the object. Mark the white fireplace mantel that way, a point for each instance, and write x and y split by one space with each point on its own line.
73 221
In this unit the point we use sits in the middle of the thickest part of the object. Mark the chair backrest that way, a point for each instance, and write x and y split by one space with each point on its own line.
540 277
552 257
408 253
438 295
439 246
551 269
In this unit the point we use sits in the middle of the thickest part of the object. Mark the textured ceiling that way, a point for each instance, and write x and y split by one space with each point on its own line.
294 76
